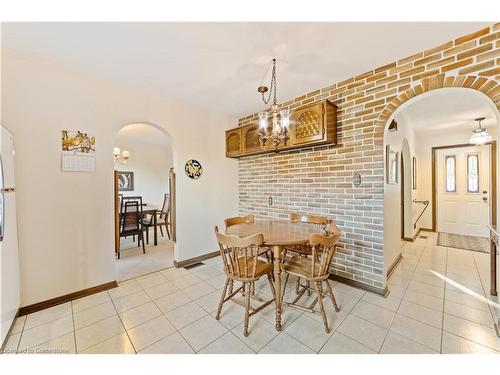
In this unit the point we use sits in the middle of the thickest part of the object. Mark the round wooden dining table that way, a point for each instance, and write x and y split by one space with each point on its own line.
278 234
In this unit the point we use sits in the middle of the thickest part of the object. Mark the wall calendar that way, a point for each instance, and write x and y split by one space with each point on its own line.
78 151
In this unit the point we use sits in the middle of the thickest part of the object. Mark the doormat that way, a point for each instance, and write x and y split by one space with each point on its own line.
459 241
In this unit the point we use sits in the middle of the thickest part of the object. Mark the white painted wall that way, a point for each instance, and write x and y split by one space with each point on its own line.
392 192
66 219
151 164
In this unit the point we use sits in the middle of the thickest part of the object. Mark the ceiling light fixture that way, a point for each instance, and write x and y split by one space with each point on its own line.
480 136
275 131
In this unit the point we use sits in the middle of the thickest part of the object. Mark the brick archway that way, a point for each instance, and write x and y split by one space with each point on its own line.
489 87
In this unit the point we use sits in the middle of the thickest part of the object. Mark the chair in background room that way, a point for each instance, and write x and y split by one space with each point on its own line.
242 264
163 218
164 215
131 198
315 269
131 223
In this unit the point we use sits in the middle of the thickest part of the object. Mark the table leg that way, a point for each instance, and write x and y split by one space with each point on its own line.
277 284
155 222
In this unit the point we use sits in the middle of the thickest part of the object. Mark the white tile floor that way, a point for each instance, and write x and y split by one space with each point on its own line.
173 311
133 263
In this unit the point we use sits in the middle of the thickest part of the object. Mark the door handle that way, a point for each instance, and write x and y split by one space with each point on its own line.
485 198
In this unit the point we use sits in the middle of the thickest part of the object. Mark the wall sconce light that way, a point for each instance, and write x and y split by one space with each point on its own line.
120 156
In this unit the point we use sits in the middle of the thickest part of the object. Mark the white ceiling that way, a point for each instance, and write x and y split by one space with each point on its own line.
219 65
142 133
448 110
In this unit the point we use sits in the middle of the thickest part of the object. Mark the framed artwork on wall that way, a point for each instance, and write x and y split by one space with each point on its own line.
414 173
125 181
391 165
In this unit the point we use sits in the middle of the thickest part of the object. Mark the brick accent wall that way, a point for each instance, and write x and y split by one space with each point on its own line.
319 180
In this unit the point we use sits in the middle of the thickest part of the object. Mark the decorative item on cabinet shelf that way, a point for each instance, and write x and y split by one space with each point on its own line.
193 169
311 125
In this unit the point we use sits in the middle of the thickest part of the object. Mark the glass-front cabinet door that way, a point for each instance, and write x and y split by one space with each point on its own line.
307 124
251 140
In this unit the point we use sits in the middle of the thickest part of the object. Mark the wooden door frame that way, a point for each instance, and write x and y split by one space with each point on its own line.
493 179
173 206
116 213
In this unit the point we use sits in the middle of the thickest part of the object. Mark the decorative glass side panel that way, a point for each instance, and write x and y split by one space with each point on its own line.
451 178
308 125
472 173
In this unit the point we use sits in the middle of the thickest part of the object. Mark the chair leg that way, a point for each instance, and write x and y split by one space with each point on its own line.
332 297
161 230
141 237
168 231
271 285
308 286
284 287
247 309
297 286
231 284
321 306
147 235
222 298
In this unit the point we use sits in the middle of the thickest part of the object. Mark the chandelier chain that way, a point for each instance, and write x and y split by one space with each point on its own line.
272 88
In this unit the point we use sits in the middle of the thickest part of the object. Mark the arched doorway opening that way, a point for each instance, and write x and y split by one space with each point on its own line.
144 198
441 118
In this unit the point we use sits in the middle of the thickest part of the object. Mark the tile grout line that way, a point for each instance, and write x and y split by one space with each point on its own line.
168 320
51 321
74 328
466 338
336 329
444 303
400 302
21 335
123 325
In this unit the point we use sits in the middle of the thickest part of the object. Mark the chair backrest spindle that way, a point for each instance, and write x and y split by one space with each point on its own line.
239 255
323 250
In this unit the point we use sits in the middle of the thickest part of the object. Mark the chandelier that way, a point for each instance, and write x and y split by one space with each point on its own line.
120 156
480 135
275 130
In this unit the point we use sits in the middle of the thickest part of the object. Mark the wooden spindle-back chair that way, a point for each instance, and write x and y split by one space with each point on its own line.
131 223
240 257
230 221
304 250
315 269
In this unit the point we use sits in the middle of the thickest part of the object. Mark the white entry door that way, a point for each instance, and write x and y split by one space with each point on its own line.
463 190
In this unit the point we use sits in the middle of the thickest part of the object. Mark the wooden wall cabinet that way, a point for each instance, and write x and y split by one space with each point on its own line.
311 125
233 143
